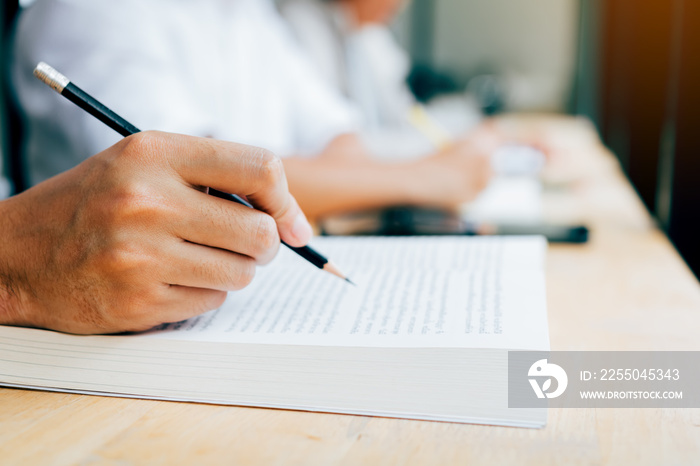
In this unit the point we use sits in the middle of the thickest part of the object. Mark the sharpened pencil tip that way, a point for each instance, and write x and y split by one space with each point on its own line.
350 281
330 268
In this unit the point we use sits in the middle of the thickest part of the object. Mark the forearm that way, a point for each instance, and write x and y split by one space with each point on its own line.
325 186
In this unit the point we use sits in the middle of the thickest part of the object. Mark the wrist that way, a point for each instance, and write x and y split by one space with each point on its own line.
415 178
12 307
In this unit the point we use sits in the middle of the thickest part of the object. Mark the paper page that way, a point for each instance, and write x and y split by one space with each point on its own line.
507 199
411 292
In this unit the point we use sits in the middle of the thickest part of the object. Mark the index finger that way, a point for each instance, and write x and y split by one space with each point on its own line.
238 169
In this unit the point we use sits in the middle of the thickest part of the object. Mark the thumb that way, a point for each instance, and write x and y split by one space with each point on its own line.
292 224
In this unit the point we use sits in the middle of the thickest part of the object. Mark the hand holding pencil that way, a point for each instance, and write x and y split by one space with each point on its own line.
129 239
82 99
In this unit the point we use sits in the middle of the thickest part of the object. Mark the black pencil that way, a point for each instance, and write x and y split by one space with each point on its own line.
82 99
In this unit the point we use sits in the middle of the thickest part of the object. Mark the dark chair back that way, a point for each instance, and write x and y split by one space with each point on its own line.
12 131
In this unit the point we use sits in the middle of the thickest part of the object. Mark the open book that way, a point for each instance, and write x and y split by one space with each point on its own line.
424 335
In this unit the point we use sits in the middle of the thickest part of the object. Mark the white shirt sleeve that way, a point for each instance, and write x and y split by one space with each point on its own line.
323 114
312 24
128 67
4 186
321 111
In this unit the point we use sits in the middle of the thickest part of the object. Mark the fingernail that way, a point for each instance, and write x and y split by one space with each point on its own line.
302 229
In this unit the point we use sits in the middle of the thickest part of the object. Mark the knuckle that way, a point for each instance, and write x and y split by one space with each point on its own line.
136 305
134 202
134 313
141 145
211 300
124 261
269 167
214 300
228 275
243 274
265 237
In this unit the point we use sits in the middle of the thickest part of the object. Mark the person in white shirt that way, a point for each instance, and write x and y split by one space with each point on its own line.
351 46
221 68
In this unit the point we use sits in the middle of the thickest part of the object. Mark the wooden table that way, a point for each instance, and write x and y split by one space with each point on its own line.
626 290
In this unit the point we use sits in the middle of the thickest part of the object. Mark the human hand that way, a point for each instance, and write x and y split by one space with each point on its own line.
454 175
129 239
513 132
